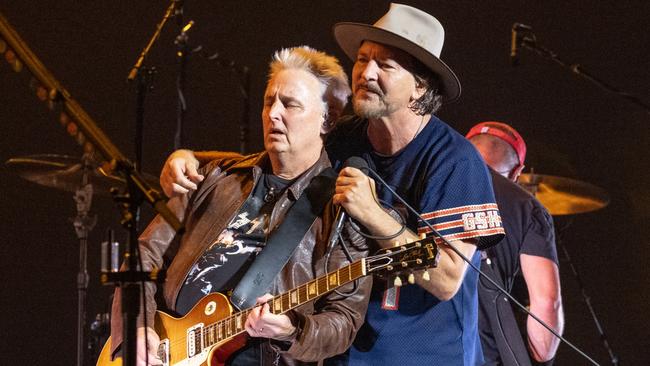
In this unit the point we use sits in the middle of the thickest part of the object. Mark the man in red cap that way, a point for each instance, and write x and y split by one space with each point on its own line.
528 250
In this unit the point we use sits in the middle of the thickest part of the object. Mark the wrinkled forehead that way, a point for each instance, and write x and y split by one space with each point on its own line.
293 82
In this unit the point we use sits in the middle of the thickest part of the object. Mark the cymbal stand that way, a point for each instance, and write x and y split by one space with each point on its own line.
583 292
96 144
83 224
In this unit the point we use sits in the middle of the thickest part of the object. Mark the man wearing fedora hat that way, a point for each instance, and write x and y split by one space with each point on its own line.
398 83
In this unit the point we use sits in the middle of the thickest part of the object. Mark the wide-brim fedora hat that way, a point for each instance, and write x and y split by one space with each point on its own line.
409 29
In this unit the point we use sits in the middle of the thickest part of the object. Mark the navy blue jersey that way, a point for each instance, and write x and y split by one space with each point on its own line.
442 176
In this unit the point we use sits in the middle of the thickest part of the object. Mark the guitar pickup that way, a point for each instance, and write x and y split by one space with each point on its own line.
194 340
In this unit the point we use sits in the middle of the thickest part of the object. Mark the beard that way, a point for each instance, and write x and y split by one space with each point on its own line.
373 108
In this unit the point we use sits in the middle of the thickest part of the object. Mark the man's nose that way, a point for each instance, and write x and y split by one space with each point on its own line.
275 111
369 71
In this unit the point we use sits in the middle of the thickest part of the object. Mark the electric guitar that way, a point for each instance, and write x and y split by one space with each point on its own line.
209 334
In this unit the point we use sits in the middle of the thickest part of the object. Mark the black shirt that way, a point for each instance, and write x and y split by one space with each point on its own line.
224 263
529 230
528 225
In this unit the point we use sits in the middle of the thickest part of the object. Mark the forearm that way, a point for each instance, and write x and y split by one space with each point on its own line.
331 327
543 281
543 344
331 330
445 279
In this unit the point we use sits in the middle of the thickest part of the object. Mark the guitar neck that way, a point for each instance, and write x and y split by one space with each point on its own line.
233 325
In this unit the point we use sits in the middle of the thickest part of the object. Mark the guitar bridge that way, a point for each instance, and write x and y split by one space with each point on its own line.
163 351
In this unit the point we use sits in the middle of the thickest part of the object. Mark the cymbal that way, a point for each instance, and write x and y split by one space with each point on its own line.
564 196
66 173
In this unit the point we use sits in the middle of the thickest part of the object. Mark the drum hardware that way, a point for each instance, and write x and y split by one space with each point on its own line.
65 173
564 196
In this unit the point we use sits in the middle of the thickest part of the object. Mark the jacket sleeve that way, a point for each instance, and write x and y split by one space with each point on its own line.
153 243
333 325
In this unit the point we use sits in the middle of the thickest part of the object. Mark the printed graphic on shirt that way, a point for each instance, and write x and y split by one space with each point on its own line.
242 238
464 222
222 265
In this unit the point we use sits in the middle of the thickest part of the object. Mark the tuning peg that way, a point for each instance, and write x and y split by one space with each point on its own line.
418 261
423 236
425 275
411 278
397 282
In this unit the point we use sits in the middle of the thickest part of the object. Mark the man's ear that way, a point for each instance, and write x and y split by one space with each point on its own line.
516 172
329 120
420 89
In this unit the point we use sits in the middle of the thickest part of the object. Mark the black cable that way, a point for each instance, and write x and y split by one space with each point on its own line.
357 229
355 283
483 275
382 237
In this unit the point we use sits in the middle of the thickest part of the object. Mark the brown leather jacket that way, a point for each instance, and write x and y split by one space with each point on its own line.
328 326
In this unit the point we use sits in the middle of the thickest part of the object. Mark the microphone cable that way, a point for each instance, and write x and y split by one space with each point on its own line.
478 270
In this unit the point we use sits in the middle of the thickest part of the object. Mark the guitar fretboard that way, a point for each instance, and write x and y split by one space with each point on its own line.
233 325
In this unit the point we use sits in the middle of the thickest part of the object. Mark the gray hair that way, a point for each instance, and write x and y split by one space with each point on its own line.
325 68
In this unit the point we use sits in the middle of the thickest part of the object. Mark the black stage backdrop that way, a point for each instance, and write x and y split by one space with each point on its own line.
573 129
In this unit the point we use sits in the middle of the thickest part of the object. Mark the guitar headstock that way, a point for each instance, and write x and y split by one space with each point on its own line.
406 258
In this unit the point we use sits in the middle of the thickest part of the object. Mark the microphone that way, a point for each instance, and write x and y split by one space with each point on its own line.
341 215
515 39
178 11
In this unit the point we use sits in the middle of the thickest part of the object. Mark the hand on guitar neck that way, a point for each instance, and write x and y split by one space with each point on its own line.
261 322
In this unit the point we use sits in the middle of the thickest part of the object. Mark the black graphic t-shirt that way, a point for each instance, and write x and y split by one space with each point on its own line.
226 260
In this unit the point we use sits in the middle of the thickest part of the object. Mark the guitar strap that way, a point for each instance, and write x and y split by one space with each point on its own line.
282 242
498 312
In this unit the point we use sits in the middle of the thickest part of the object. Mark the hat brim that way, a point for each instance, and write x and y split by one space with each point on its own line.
349 36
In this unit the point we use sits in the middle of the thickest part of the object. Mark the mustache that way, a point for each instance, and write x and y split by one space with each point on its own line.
371 87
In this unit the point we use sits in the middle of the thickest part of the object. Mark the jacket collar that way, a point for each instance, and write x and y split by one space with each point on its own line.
260 161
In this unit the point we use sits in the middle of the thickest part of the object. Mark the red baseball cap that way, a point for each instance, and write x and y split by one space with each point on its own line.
504 132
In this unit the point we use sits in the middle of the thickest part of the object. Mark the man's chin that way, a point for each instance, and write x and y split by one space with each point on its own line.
275 147
367 109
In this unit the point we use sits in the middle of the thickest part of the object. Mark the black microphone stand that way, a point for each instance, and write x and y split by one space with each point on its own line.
182 53
587 299
529 41
144 82
83 225
129 203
